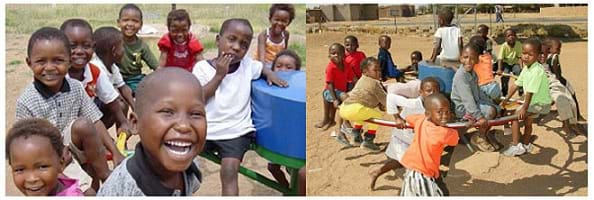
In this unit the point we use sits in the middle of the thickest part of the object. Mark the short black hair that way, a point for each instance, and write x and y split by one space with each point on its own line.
365 63
479 42
340 47
447 15
483 26
473 47
352 38
48 33
383 36
76 23
429 101
105 39
286 7
534 42
291 53
130 6
510 30
430 79
227 22
418 54
35 126
178 15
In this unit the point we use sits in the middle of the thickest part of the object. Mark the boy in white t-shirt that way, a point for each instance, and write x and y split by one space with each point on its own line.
448 40
226 82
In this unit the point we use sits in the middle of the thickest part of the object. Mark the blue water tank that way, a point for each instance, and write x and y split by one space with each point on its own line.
279 114
445 76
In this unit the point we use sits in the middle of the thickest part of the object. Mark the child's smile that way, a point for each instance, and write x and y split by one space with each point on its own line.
130 22
280 20
81 45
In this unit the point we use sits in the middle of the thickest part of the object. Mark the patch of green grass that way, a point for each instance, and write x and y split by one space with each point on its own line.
299 48
15 62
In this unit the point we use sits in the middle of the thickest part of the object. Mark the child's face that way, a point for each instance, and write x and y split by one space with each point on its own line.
469 58
373 71
235 40
510 37
414 59
483 32
35 165
130 22
81 46
350 45
172 126
118 51
428 89
49 62
336 55
529 54
385 42
542 58
439 113
555 47
279 21
285 63
179 31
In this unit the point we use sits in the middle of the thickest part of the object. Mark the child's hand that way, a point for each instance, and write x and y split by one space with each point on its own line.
336 103
522 114
470 123
482 122
401 124
222 64
273 79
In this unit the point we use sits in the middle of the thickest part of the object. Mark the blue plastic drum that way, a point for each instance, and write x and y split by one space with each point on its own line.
279 115
445 76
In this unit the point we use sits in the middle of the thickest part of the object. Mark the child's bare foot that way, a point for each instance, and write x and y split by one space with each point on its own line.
321 124
568 130
374 175
329 125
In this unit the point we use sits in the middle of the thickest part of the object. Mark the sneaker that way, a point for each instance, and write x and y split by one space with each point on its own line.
527 147
357 139
342 139
514 150
346 130
481 143
369 145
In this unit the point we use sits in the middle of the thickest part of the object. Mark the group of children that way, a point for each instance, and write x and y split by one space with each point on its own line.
85 81
476 98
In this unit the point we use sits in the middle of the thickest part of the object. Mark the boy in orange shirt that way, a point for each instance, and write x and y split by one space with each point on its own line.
422 159
484 70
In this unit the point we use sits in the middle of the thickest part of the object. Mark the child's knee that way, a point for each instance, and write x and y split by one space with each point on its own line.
273 167
229 167
83 128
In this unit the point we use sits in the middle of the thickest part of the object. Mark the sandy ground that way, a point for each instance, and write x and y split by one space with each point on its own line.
557 166
18 76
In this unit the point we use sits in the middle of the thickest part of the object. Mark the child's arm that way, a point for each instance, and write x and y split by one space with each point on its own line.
436 50
272 78
126 93
222 68
460 45
286 39
462 88
261 47
162 60
198 58
149 57
500 61
116 110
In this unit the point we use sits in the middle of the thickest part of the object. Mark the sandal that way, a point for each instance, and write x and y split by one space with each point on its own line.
481 143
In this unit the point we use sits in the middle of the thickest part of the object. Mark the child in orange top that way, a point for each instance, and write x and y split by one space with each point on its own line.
422 159
275 38
484 70
353 57
179 48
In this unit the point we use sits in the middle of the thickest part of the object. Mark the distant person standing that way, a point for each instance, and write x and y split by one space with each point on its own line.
498 13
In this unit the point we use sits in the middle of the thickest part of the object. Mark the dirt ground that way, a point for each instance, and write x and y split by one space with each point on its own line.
557 166
18 76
